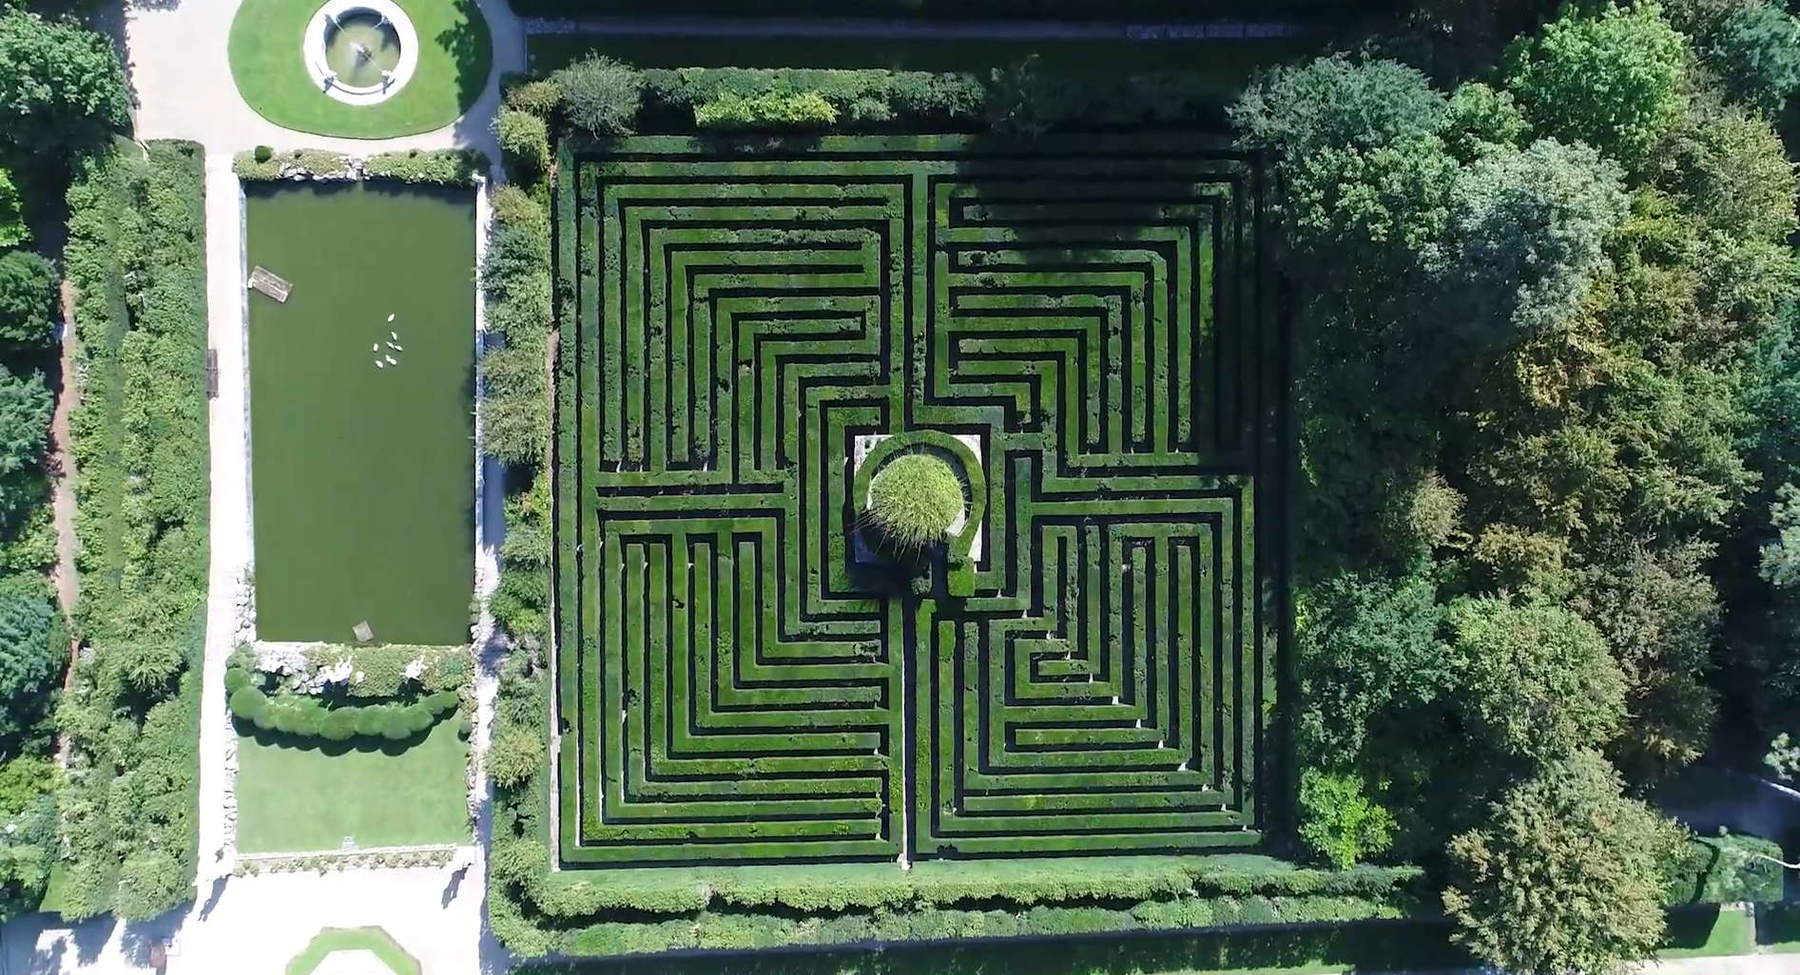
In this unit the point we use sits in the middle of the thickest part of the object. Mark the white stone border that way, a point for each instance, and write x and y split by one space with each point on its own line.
313 51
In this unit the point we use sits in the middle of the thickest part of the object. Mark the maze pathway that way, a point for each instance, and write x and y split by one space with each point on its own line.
734 685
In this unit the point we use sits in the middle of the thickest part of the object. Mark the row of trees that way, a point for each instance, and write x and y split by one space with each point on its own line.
1548 393
62 93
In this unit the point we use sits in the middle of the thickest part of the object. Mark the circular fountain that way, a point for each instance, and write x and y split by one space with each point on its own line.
361 51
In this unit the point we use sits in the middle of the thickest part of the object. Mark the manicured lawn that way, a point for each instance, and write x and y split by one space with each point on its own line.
373 940
455 56
294 798
1703 932
363 477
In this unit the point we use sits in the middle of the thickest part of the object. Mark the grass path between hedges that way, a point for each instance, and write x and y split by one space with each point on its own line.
456 54
295 798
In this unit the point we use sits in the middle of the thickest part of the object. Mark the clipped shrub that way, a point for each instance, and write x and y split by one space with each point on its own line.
541 97
372 720
514 757
236 679
769 109
524 142
914 499
339 724
263 154
443 167
249 703
601 95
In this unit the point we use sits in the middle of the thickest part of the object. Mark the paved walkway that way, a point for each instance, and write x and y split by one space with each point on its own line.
179 68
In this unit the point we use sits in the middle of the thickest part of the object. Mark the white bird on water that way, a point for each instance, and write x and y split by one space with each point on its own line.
390 316
375 348
393 335
395 346
393 361
380 365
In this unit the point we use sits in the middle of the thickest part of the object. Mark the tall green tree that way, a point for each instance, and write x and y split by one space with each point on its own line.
1611 80
1565 877
27 299
60 83
28 662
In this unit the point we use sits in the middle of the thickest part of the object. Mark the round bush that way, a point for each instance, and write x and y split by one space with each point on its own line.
514 757
308 718
236 680
264 153
524 140
249 703
601 95
443 702
915 499
339 724
371 719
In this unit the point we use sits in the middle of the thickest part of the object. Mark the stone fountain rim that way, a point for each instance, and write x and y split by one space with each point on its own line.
313 50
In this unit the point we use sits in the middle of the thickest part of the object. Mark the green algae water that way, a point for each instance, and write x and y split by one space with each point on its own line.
361 429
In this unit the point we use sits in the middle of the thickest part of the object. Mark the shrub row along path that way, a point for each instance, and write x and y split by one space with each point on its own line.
178 65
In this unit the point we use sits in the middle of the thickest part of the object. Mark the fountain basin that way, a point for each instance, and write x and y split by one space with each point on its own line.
361 51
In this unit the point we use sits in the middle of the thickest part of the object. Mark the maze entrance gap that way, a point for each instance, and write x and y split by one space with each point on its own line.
733 687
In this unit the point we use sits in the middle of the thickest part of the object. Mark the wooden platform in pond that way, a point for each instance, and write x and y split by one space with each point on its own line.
269 283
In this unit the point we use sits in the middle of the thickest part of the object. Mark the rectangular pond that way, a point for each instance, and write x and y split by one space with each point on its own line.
361 411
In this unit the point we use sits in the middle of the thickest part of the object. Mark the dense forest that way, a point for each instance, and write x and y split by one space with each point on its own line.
1549 390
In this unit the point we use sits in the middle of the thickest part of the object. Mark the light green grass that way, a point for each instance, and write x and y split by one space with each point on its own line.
353 939
455 56
1705 932
363 478
296 797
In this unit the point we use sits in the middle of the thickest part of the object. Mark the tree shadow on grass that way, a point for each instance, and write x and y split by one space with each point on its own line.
471 50
392 747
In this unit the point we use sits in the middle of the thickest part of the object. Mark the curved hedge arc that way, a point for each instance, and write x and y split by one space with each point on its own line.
733 690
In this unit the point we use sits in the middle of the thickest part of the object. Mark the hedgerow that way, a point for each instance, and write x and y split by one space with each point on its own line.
379 671
136 255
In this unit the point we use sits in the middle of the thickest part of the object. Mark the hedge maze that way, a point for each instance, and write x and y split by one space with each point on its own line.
739 680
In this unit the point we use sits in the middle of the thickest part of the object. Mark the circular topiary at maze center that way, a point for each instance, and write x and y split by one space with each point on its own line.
914 499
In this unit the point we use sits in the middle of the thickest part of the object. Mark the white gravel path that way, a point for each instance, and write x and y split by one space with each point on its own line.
178 64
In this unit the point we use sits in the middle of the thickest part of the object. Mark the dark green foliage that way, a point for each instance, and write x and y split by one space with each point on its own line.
1754 49
1337 104
1537 680
136 255
29 659
601 95
1591 859
25 409
12 222
61 85
27 299
1368 646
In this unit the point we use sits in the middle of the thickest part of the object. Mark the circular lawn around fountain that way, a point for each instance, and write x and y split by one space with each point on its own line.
268 62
